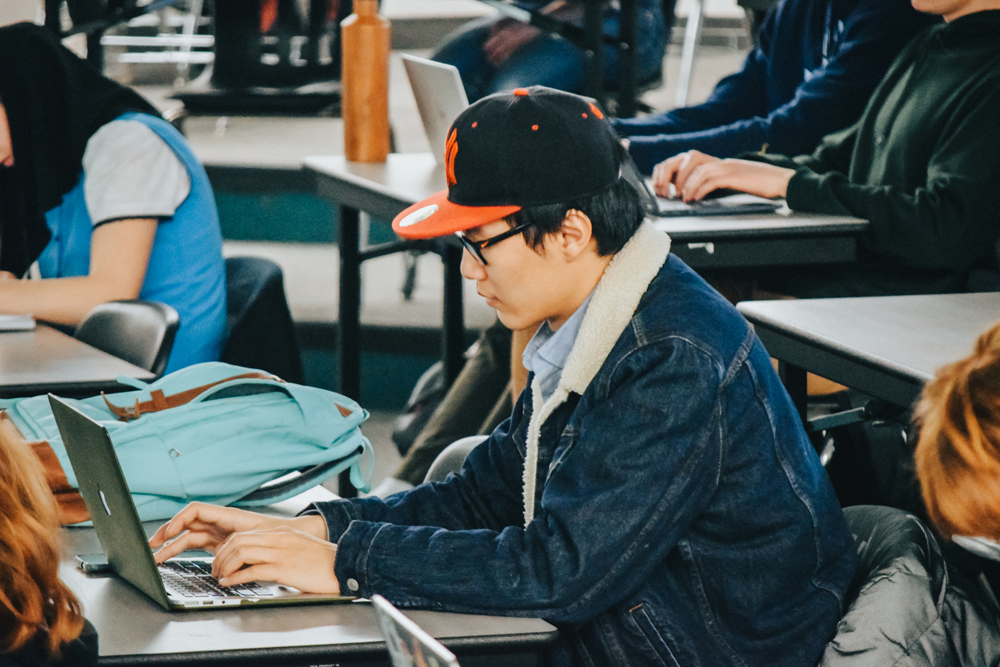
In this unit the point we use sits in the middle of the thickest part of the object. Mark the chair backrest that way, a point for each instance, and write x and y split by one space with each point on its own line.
140 332
453 457
261 330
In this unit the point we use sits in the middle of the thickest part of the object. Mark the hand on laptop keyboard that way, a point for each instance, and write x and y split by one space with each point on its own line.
250 546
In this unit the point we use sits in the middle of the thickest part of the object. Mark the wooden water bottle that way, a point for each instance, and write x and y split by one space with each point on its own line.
364 39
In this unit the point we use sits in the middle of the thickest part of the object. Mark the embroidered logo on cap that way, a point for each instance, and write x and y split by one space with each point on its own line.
419 215
450 151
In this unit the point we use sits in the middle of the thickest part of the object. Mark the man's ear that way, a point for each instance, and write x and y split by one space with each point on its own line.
575 234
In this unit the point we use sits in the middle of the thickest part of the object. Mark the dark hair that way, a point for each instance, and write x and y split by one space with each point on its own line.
615 215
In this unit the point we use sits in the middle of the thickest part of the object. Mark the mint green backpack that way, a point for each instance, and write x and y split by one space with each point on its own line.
216 433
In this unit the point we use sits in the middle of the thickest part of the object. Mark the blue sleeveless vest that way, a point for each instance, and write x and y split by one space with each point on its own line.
186 269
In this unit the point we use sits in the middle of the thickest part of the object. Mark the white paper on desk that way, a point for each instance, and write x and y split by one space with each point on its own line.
17 322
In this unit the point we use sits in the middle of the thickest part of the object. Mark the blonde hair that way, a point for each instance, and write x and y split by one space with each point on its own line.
958 453
32 598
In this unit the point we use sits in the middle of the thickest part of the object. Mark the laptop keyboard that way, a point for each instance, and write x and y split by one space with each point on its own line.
193 579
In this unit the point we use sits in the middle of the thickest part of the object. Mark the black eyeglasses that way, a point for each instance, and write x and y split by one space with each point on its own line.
476 247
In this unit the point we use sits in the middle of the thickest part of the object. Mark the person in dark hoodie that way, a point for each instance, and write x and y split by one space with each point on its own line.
105 195
812 73
921 165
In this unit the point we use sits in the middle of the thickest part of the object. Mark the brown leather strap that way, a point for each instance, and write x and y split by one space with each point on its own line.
159 402
72 509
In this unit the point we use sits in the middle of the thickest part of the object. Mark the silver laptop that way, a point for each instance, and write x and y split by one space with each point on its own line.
409 645
717 203
180 583
440 97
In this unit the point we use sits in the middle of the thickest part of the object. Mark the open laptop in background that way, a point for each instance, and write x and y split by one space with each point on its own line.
409 645
180 583
717 203
720 202
440 97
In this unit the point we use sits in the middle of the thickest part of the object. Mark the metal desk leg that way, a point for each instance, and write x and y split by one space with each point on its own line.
453 329
692 36
628 85
794 379
349 320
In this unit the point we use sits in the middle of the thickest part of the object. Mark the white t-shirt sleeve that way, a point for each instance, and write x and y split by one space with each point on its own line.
132 173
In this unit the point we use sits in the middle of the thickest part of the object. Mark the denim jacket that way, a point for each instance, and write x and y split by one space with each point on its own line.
676 512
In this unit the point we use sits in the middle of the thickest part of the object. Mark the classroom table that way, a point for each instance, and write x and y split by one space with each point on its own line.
886 347
384 189
134 630
46 360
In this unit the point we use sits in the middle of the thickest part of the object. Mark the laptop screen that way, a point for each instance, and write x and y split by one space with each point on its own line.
409 645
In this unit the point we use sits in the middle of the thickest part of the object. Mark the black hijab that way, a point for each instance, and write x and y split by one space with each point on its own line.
55 102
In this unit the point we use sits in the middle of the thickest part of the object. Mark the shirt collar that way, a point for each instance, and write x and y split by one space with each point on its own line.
547 351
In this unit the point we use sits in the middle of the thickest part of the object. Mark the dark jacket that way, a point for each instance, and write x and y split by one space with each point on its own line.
817 64
677 514
922 165
910 607
81 652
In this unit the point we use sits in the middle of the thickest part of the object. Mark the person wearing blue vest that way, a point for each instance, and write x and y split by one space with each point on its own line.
816 65
104 195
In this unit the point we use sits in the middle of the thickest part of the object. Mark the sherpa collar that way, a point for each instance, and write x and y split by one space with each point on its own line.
614 302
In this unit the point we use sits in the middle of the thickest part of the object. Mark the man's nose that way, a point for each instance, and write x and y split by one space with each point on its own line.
471 267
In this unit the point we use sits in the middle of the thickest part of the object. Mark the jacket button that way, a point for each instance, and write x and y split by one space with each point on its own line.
353 585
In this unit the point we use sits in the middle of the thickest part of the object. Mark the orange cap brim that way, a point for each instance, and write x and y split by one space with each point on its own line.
436 216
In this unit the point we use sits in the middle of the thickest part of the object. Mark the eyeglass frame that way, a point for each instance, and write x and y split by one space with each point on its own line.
476 247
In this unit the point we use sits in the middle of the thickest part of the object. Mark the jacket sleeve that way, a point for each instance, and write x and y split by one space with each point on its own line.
944 224
469 500
614 503
827 100
653 139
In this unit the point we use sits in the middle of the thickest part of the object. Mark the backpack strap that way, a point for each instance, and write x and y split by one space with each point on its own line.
159 401
68 500
306 479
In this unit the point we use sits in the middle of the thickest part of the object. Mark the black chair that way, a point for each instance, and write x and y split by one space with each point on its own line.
140 332
261 331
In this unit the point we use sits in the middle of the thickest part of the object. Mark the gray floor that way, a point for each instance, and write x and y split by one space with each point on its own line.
311 270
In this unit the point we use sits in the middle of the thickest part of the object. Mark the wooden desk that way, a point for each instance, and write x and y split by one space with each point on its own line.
887 347
44 360
134 630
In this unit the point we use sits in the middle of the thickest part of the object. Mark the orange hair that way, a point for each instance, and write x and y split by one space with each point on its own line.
32 598
958 453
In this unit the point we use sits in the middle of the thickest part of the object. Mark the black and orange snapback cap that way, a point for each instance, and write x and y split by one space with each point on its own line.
530 147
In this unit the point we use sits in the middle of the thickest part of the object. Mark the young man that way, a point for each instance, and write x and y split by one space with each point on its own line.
816 65
812 73
653 492
920 165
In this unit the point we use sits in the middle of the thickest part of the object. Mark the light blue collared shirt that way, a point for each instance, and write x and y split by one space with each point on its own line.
548 350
